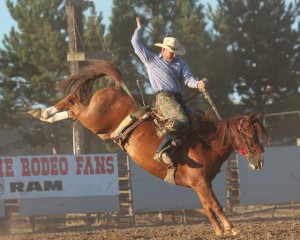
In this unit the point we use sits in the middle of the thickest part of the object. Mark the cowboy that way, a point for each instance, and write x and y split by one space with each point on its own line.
167 74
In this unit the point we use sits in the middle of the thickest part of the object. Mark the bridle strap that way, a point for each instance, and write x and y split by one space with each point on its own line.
251 148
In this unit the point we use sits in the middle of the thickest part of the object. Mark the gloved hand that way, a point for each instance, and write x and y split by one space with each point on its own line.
202 84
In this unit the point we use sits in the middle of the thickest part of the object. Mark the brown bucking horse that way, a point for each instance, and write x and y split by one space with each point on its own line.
112 113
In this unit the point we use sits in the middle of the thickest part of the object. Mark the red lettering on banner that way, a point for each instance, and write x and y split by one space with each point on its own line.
88 166
25 167
54 170
100 164
44 166
97 165
79 161
6 167
110 164
63 166
35 167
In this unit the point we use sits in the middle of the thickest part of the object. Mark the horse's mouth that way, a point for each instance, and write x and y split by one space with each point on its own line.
253 167
257 164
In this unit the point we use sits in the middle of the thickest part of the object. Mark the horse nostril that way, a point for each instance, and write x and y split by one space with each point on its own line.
261 162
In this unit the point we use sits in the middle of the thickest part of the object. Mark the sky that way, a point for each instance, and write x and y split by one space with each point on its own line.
6 22
105 6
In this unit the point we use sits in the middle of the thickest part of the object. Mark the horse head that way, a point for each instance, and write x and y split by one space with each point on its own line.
250 138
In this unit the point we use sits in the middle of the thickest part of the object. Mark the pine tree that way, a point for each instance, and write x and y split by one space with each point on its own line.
34 57
219 64
264 48
119 40
8 93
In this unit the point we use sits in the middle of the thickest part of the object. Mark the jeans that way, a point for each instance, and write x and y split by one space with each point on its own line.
177 120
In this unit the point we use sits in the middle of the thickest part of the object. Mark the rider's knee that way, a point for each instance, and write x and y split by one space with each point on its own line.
178 127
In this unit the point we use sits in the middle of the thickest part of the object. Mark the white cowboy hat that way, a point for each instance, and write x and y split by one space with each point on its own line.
172 44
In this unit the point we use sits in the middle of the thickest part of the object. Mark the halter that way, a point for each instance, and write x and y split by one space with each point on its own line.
250 146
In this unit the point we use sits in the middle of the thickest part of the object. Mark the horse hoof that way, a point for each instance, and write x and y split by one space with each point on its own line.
232 232
35 112
235 231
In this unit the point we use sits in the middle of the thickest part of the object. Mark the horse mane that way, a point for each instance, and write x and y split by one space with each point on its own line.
81 83
208 125
220 130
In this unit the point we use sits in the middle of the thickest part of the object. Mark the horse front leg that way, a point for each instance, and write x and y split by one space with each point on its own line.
213 209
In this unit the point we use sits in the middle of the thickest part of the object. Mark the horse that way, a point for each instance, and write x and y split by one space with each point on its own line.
109 112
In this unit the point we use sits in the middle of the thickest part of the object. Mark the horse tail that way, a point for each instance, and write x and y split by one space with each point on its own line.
82 82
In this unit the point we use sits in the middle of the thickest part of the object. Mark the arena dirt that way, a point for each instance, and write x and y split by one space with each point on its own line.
253 225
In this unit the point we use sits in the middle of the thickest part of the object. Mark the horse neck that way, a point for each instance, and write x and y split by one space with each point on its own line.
224 137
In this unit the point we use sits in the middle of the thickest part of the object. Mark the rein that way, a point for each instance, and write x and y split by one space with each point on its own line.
125 88
208 98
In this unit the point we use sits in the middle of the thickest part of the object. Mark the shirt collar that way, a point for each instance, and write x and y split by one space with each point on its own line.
161 57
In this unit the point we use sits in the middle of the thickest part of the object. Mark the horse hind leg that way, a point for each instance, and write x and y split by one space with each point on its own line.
43 113
37 113
47 114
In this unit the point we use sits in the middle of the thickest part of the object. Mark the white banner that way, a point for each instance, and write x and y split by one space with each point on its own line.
58 176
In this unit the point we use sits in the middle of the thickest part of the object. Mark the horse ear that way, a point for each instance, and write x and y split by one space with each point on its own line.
257 117
251 117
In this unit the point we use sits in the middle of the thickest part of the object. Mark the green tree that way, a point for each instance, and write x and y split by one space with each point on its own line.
119 36
219 64
8 98
264 47
94 31
95 41
34 57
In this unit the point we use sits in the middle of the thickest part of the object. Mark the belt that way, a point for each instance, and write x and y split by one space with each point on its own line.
168 93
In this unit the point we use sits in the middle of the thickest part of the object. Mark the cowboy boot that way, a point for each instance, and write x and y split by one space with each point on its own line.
163 156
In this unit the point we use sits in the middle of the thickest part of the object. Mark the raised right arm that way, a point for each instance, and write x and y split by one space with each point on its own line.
143 53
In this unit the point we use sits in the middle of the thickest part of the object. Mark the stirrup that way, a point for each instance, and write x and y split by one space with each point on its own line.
163 156
170 178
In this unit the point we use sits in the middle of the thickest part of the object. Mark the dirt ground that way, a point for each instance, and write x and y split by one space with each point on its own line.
272 230
263 223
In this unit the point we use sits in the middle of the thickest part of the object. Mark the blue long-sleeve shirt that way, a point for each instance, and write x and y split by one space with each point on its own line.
163 75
